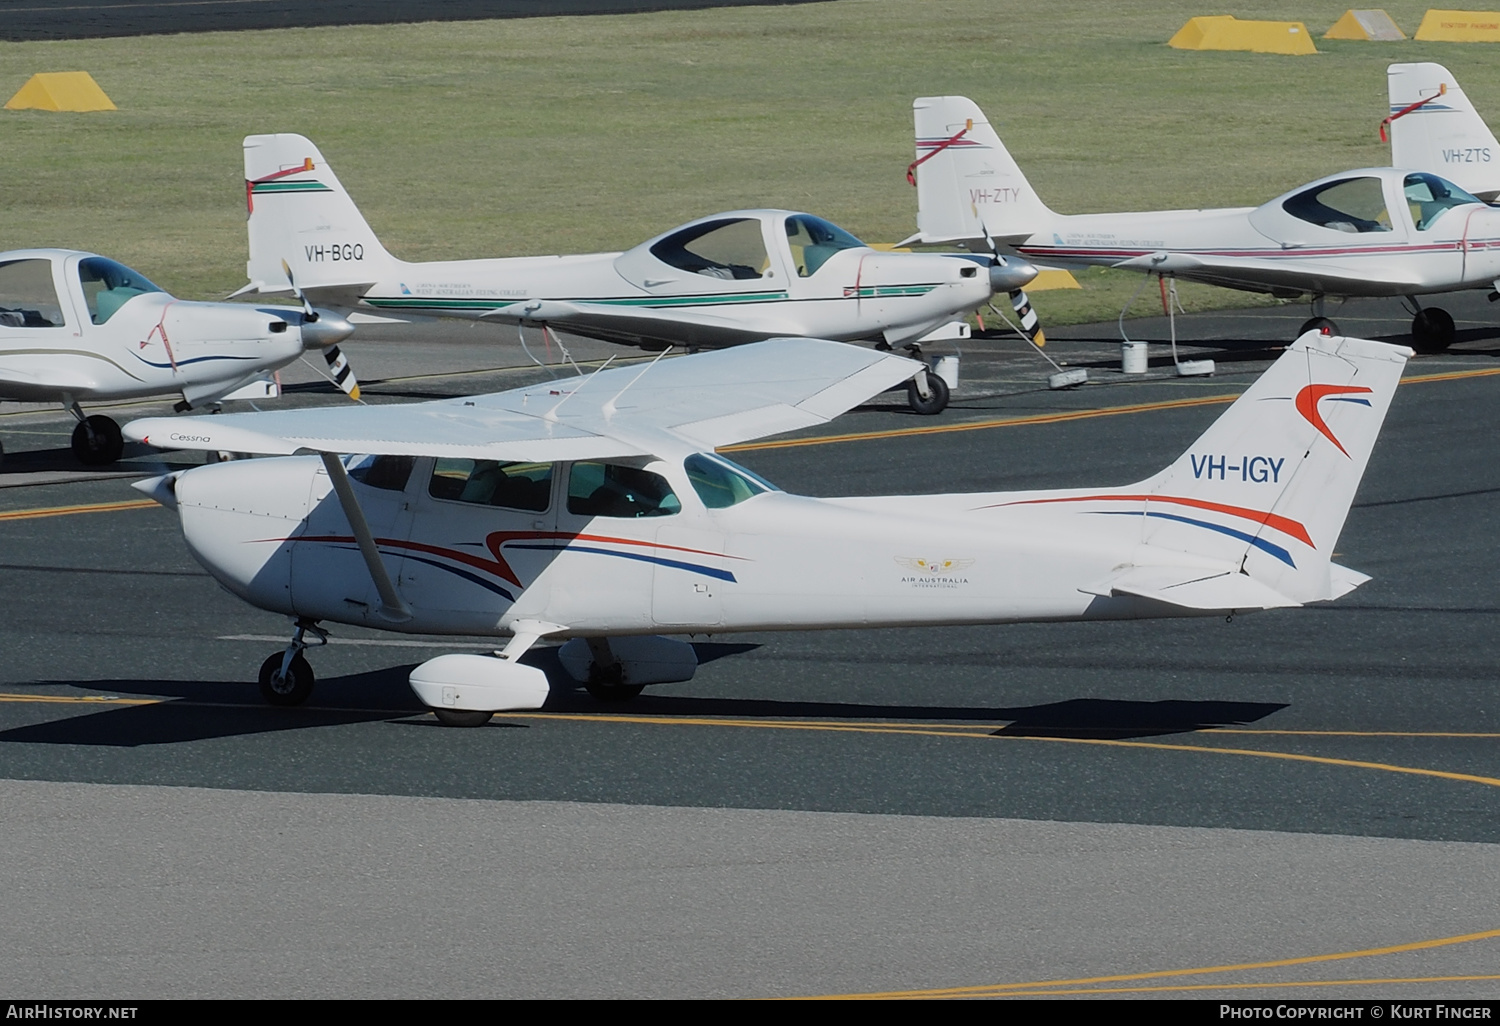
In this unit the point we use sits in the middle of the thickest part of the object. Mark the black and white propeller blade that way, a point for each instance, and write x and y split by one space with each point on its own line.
323 329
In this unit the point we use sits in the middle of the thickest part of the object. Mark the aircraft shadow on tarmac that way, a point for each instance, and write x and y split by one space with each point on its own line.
203 710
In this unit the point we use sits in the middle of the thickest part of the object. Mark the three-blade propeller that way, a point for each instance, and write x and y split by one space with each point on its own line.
324 330
1010 275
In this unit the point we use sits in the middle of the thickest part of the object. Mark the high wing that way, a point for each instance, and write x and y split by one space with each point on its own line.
692 402
634 325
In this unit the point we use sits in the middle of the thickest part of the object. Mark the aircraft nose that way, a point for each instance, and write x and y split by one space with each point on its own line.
326 330
1008 273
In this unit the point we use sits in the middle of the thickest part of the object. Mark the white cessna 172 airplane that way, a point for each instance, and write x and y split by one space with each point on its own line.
735 277
1368 232
596 510
76 327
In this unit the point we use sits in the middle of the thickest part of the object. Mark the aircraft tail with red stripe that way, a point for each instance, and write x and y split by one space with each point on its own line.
969 188
1434 127
1267 487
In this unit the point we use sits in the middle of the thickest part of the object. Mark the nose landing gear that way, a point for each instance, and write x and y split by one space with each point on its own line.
926 393
286 678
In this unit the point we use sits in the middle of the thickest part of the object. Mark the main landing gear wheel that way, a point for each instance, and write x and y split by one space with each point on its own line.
613 692
1322 325
937 395
291 688
462 717
97 440
1432 330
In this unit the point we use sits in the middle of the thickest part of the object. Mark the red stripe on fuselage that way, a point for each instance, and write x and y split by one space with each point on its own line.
1280 523
498 566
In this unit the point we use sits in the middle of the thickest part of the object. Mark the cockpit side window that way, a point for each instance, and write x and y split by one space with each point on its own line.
731 249
525 486
107 286
616 490
720 483
28 299
1429 197
813 240
1353 205
386 472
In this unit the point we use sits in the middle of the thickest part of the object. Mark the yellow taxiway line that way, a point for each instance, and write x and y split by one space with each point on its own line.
1227 986
80 699
1039 987
1058 418
63 511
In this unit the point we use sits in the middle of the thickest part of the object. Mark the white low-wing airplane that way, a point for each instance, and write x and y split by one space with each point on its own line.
78 327
596 510
1367 232
735 277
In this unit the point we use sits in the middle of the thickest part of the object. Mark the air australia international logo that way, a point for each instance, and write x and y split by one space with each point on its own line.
1308 400
934 573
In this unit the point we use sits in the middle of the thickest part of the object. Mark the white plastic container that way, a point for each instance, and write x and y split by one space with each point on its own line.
1133 357
946 367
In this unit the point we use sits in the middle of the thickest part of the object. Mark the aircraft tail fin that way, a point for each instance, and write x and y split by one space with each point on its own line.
1434 127
299 213
1267 487
968 185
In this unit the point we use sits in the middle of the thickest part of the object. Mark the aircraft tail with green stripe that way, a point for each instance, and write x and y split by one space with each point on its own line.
303 224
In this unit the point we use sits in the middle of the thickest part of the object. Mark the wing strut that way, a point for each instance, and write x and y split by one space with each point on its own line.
391 606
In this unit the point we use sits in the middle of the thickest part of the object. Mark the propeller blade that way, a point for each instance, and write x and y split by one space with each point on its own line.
308 313
341 373
1030 324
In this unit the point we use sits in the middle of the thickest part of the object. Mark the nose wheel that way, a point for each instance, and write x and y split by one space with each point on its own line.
285 681
926 393
286 677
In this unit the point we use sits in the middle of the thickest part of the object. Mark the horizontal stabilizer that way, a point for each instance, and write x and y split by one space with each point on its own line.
1192 588
1342 580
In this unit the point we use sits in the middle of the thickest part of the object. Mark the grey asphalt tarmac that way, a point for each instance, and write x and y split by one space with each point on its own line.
814 813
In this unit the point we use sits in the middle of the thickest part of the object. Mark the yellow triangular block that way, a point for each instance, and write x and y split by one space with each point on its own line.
1226 32
1459 27
1050 278
1367 24
60 90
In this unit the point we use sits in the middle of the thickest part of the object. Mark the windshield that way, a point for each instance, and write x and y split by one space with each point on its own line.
814 240
1350 205
720 483
107 286
1430 197
728 249
27 296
